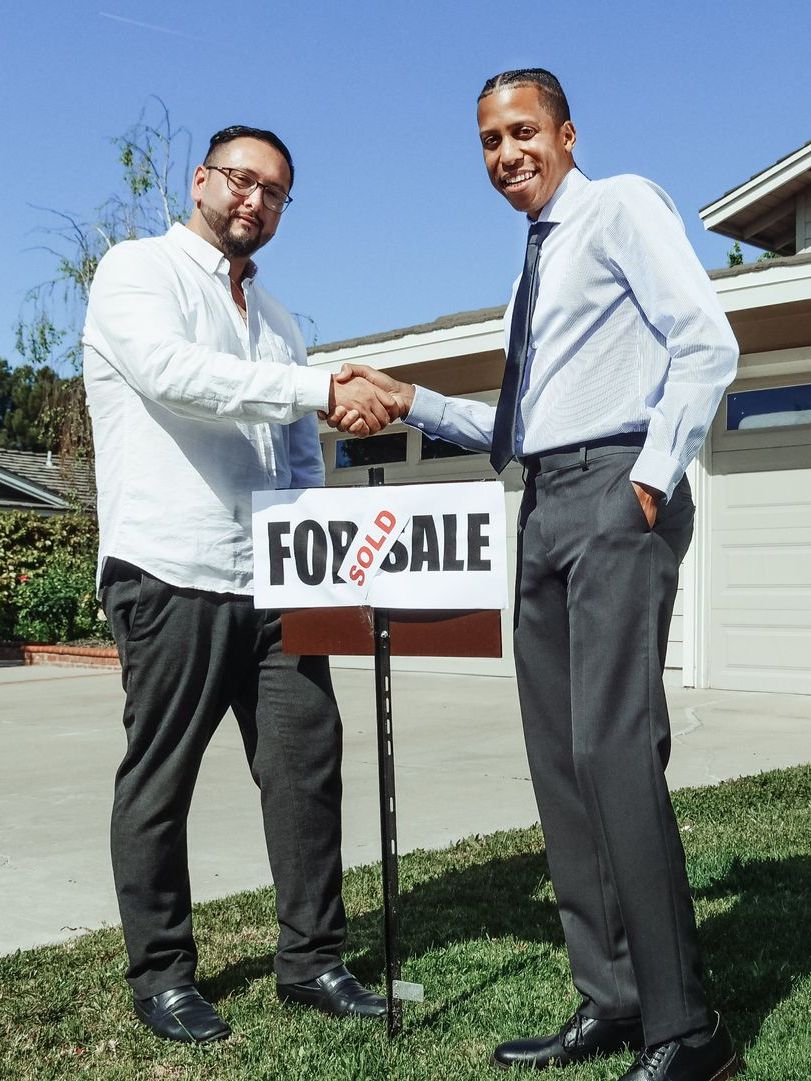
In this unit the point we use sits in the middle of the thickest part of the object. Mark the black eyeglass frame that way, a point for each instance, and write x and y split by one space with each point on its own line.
267 189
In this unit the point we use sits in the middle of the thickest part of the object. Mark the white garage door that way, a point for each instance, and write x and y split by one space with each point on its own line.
760 624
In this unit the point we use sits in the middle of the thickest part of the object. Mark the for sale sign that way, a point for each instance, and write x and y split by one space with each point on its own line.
404 546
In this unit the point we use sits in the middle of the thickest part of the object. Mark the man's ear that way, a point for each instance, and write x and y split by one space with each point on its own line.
569 135
198 181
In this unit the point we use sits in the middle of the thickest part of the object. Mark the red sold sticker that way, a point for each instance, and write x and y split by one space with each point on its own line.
369 549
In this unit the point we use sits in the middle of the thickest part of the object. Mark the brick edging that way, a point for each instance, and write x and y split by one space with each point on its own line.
95 656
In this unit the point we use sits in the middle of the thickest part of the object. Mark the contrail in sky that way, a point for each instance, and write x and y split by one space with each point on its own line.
148 26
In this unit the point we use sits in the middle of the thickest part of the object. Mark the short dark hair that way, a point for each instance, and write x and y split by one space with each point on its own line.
550 90
240 131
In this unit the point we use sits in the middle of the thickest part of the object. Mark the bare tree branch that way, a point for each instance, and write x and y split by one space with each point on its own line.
151 198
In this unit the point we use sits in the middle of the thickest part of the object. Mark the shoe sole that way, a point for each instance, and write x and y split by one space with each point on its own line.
292 1000
551 1065
223 1035
573 1062
190 1041
728 1070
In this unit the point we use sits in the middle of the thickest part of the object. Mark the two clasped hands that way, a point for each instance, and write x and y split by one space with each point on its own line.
363 400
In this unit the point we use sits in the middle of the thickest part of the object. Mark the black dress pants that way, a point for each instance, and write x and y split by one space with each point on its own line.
594 599
187 655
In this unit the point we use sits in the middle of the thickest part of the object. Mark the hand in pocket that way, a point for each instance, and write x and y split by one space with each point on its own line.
648 501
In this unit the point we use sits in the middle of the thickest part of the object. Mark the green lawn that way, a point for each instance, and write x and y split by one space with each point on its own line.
479 930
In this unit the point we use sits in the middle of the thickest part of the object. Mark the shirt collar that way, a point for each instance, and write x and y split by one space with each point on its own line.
566 195
203 253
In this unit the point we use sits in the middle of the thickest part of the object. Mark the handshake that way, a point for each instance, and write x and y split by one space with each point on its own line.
363 400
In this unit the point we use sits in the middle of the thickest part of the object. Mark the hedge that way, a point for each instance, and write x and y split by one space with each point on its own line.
47 578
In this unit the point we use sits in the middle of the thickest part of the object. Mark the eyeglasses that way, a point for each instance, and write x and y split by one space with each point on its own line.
242 183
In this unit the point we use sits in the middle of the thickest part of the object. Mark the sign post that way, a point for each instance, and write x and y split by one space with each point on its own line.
388 803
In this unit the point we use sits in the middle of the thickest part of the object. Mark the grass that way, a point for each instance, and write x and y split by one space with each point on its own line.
479 930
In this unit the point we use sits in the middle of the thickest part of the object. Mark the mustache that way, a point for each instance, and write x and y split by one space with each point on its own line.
236 215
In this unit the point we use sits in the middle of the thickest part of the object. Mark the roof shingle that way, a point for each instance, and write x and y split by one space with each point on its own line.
65 478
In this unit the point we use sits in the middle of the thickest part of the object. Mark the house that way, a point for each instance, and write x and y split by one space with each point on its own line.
743 614
39 482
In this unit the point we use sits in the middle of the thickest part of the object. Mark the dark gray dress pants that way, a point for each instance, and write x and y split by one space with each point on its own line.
594 599
187 655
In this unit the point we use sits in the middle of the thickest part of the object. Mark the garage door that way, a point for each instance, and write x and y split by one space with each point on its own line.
760 623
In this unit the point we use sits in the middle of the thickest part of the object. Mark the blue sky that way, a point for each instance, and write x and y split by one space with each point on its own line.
394 221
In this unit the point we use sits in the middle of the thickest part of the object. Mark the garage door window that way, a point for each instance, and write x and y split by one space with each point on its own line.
382 449
772 407
432 449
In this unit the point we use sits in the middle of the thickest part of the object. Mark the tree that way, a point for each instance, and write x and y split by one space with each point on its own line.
735 255
25 395
48 334
148 203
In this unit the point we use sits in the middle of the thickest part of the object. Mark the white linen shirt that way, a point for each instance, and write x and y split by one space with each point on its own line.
192 409
627 335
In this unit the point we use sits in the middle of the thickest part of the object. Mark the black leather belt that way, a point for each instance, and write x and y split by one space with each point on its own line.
579 453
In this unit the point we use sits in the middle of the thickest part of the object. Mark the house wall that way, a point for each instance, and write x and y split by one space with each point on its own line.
804 221
743 611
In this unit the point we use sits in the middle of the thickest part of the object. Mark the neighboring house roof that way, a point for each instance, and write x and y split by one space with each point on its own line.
757 175
489 315
444 322
768 304
760 265
32 481
763 210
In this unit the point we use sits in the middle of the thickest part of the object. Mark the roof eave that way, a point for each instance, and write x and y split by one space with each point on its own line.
717 216
28 488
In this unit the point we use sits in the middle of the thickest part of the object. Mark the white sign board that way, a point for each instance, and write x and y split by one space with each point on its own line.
400 546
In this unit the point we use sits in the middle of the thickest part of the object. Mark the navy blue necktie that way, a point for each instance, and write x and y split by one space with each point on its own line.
503 447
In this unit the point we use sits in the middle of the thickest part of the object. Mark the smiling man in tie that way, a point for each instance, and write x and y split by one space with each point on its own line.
617 356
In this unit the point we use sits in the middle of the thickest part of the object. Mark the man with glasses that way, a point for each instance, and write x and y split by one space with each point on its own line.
199 392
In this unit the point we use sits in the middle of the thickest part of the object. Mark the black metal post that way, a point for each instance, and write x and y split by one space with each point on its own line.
388 806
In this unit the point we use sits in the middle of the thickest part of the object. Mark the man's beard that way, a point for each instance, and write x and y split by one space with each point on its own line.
232 247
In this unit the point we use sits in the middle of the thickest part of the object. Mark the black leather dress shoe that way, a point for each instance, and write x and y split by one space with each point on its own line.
580 1038
713 1060
337 992
182 1014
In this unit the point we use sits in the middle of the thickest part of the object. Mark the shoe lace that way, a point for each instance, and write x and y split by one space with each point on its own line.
651 1058
573 1031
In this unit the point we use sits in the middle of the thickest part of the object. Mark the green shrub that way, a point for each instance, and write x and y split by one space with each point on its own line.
59 604
47 570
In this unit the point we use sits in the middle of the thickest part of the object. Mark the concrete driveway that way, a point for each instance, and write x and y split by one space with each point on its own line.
461 769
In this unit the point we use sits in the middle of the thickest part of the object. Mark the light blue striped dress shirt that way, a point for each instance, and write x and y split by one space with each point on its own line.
627 335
